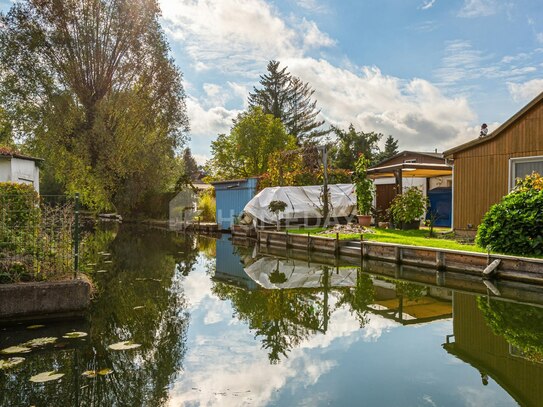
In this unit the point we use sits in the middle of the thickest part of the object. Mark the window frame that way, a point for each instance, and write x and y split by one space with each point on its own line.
520 160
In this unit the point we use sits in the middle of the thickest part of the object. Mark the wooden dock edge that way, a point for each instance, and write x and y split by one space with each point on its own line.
521 269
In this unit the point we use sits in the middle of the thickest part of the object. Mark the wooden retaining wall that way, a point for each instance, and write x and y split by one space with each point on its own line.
512 268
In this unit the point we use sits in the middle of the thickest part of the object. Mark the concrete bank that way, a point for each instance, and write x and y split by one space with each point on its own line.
43 300
512 268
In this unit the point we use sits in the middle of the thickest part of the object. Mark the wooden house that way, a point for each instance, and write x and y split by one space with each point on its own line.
19 168
485 169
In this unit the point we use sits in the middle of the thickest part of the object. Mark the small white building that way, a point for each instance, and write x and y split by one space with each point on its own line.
15 167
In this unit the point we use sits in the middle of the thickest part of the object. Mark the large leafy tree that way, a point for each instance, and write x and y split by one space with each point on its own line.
89 86
289 99
246 150
351 143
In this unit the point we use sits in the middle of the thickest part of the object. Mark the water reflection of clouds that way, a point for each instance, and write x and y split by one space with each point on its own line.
225 366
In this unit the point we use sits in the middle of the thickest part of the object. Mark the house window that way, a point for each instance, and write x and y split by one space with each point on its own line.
520 167
411 161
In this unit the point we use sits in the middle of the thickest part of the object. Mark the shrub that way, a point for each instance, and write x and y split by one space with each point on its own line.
408 206
363 186
207 204
515 224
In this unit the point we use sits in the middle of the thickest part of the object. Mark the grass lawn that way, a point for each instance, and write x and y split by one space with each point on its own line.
406 237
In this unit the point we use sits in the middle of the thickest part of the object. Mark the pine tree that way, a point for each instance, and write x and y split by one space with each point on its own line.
190 166
289 99
390 150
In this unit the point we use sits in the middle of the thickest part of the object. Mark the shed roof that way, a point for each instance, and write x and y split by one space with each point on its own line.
407 152
8 152
496 132
411 170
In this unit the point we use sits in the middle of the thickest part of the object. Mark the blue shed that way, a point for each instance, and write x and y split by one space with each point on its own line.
441 205
229 267
231 197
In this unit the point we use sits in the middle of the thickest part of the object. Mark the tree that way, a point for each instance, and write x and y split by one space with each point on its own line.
245 151
89 86
189 164
352 143
289 99
390 150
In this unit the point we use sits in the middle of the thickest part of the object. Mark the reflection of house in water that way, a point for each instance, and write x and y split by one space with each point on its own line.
403 302
229 268
475 343
409 303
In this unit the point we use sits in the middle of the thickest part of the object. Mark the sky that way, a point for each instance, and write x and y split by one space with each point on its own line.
427 72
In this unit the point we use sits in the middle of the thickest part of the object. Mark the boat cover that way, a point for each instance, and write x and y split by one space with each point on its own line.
302 202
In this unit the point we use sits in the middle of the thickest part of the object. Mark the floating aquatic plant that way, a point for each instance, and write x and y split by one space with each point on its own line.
11 362
15 349
34 343
46 377
75 335
125 345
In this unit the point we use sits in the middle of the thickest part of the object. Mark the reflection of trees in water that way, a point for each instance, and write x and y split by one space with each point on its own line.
283 318
143 274
521 325
359 297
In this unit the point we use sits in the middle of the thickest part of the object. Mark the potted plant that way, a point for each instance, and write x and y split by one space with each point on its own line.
276 207
364 190
407 208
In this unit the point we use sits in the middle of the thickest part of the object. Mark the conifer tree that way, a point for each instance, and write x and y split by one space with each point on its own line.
390 150
289 99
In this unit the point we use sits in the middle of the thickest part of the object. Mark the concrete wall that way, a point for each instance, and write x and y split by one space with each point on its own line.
43 300
19 170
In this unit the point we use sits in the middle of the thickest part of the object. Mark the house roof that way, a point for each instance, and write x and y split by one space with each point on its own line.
407 152
496 132
410 170
8 152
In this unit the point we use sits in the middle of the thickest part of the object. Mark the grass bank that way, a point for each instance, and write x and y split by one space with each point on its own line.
405 237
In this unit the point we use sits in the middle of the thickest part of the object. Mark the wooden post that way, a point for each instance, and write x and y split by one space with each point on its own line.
398 254
308 242
286 239
440 260
336 246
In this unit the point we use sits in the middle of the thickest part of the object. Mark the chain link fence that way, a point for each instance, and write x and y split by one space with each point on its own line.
39 237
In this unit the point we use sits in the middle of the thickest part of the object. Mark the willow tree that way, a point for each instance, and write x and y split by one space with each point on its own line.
89 85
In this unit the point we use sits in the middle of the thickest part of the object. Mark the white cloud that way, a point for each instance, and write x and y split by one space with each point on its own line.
315 38
524 92
237 36
312 5
414 111
478 8
427 4
539 37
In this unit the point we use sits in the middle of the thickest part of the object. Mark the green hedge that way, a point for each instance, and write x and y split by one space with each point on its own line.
19 205
515 225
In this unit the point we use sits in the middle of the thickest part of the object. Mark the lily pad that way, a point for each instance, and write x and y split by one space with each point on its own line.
89 373
46 377
91 264
102 271
138 307
34 343
105 371
15 349
108 261
125 345
11 362
105 254
35 326
75 335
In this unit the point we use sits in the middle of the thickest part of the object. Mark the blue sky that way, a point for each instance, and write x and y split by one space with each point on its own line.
428 72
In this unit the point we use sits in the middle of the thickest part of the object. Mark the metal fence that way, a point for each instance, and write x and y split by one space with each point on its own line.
39 237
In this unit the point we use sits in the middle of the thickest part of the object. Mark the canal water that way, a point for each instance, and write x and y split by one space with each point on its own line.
211 324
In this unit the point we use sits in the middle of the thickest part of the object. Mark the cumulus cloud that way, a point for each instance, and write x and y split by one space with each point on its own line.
478 8
414 111
523 92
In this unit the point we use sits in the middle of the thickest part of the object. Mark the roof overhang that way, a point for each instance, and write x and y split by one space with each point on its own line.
410 170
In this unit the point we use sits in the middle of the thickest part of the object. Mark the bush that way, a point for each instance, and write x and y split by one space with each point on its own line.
207 204
515 224
409 206
19 205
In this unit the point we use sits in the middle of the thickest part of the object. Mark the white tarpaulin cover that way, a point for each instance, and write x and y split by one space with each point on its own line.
302 202
297 274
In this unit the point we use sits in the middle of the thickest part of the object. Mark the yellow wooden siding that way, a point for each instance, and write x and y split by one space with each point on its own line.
481 173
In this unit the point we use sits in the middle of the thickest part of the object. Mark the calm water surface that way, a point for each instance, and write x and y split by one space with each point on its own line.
223 326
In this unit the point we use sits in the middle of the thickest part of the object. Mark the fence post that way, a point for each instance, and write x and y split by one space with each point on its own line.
76 236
